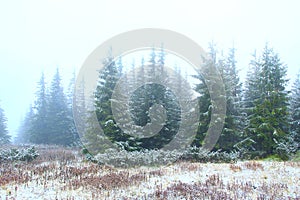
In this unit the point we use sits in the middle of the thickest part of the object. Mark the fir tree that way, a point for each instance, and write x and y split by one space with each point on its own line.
70 106
25 127
268 125
211 102
39 123
79 108
251 91
152 94
107 81
60 125
232 131
205 106
250 95
295 111
4 136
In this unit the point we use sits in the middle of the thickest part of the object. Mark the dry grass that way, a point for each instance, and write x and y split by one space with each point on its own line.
235 168
253 165
61 173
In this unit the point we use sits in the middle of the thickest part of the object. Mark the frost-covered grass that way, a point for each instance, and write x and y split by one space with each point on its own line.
125 159
60 173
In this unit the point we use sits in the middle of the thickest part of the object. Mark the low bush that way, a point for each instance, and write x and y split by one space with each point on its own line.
201 155
126 159
123 158
274 157
296 157
14 154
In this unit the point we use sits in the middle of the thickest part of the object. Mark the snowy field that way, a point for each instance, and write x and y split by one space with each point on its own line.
62 174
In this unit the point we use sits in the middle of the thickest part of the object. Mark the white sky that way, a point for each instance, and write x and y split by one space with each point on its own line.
40 35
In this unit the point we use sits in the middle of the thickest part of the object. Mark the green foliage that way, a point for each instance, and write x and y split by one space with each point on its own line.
268 119
232 130
140 103
205 108
258 122
231 133
273 157
108 78
88 156
296 157
156 94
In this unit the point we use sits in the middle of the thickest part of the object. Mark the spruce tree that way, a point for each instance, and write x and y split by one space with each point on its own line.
251 90
204 99
107 81
24 129
295 111
212 102
226 66
268 123
69 96
232 131
152 94
79 108
250 95
60 125
39 124
4 136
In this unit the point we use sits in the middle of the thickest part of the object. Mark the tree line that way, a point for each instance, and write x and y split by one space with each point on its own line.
50 119
262 116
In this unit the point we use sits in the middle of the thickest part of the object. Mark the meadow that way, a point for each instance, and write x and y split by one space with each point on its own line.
64 173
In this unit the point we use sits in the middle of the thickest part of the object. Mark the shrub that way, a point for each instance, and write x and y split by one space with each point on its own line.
274 157
123 158
201 155
13 154
296 157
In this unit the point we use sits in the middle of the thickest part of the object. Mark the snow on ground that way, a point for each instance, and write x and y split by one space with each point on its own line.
249 179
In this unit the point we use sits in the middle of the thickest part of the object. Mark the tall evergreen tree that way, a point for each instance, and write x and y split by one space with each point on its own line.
152 94
295 111
25 127
79 108
204 98
107 80
250 95
232 131
268 123
59 123
39 123
251 89
70 100
212 101
4 136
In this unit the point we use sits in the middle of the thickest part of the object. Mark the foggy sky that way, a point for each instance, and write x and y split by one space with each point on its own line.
41 35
